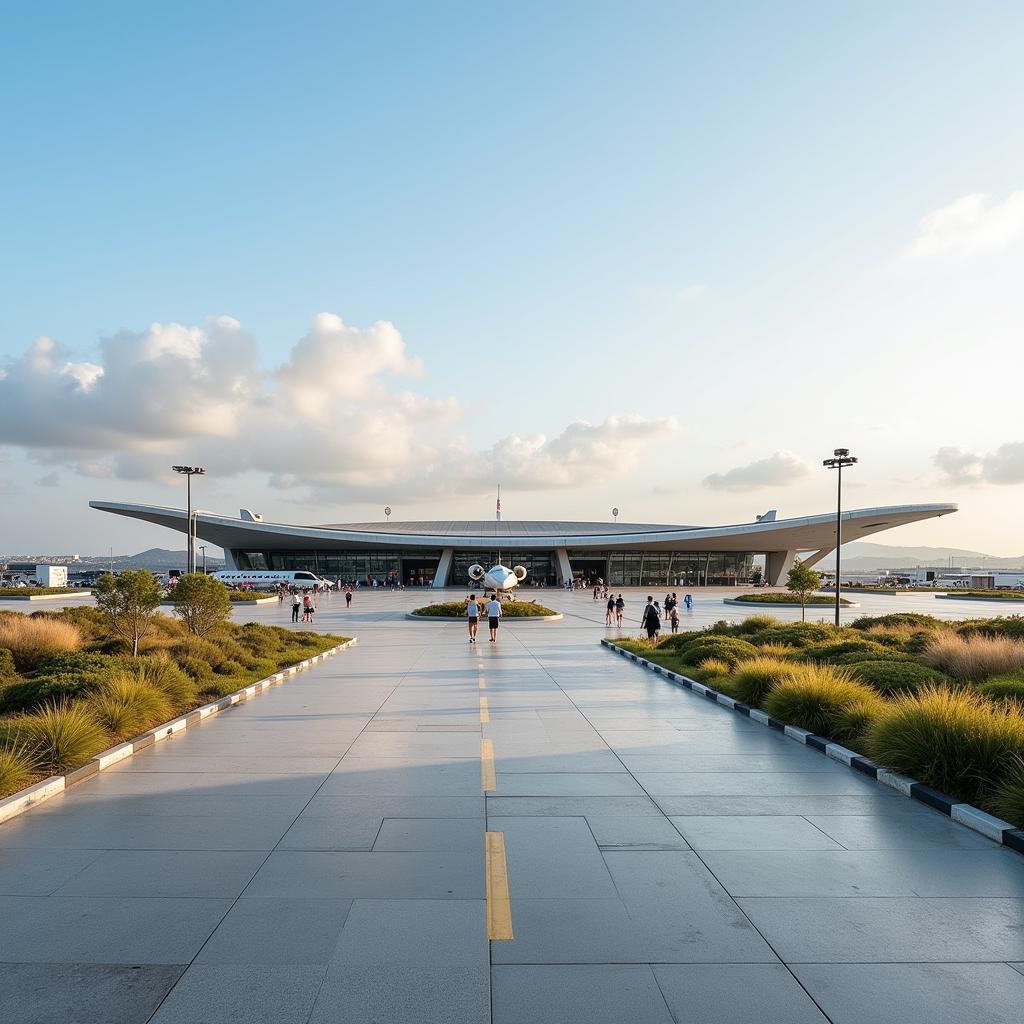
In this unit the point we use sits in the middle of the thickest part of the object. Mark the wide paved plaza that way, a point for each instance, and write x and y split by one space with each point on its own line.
318 854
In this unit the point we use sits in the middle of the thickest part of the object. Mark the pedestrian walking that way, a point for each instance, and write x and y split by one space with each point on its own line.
688 601
472 617
673 618
348 597
609 610
620 607
651 620
307 607
296 605
493 615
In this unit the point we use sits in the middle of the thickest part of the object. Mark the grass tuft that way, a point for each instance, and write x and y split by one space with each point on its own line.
972 658
17 765
126 705
753 679
33 641
61 735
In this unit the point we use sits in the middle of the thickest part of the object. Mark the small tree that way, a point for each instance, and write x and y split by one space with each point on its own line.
129 601
202 602
803 582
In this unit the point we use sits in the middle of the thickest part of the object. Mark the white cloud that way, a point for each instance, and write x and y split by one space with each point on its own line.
1003 466
777 470
969 226
330 418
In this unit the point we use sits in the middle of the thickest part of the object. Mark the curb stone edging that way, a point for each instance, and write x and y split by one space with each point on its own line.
972 817
44 597
17 803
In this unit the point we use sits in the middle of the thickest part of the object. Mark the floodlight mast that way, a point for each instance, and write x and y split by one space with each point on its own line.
188 472
840 457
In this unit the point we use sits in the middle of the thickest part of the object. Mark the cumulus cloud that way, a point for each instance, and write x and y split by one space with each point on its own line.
1003 466
777 470
336 416
969 226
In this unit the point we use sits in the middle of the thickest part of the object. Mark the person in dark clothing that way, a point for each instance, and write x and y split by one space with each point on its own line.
620 607
609 611
651 620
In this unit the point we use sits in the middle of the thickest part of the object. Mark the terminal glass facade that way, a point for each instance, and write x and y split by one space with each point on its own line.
418 567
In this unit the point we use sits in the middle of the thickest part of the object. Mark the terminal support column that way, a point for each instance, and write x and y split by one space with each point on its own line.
777 564
444 567
563 565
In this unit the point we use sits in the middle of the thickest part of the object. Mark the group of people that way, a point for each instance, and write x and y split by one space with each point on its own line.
653 614
304 603
492 609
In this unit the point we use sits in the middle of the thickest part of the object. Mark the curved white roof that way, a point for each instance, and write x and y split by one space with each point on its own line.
806 533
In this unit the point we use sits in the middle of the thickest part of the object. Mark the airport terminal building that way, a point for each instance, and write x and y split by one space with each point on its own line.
439 553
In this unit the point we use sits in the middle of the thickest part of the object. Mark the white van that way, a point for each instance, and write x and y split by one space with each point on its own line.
264 579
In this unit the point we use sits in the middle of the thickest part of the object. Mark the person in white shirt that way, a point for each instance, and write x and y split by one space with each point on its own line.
493 615
473 617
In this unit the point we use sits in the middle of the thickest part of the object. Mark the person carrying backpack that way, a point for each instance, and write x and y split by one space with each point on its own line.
651 620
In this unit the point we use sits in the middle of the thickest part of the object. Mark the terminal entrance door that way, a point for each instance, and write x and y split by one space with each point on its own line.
419 572
592 569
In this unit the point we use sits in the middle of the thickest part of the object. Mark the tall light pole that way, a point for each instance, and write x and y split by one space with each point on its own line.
202 547
615 514
387 513
188 472
840 457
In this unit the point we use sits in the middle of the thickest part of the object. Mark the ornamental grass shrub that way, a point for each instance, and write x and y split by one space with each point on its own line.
753 679
972 658
1011 626
126 706
17 766
895 676
832 652
32 641
758 624
825 700
730 649
7 669
160 672
61 735
710 670
799 634
915 620
957 741
1008 799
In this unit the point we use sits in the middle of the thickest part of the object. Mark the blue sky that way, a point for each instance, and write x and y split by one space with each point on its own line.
708 217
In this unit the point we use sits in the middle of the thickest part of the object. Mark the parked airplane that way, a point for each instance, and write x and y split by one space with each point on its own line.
498 577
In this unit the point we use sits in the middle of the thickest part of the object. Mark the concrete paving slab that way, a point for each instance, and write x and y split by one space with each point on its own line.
83 993
277 931
404 995
371 875
752 832
606 994
242 994
37 872
641 833
434 834
923 993
132 873
898 831
105 930
735 994
414 933
568 784
319 832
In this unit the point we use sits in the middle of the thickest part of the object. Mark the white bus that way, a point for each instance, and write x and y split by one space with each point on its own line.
264 579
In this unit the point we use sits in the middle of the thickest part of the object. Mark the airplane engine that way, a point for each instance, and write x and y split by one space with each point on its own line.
476 572
520 572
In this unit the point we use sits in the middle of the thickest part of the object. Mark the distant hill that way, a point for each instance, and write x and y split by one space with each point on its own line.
865 555
163 558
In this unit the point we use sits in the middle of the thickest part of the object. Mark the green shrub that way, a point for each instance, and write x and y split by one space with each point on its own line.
220 687
884 654
126 706
61 735
198 647
826 701
799 634
7 669
833 651
17 766
32 640
891 676
1008 687
729 649
973 657
752 679
1008 799
27 694
954 740
915 619
229 668
197 669
1011 626
509 609
164 675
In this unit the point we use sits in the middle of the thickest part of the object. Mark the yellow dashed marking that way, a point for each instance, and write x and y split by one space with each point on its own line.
499 906
484 715
488 782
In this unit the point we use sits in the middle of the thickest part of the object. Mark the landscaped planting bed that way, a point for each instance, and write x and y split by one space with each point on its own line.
787 599
70 686
25 593
509 609
942 702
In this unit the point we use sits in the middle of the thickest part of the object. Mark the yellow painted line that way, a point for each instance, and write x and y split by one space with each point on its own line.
484 714
483 683
488 782
499 906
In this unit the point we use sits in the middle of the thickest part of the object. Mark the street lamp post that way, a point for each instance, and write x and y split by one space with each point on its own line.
188 472
387 513
202 547
840 457
615 514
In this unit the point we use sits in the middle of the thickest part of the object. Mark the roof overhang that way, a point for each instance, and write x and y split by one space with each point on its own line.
807 533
